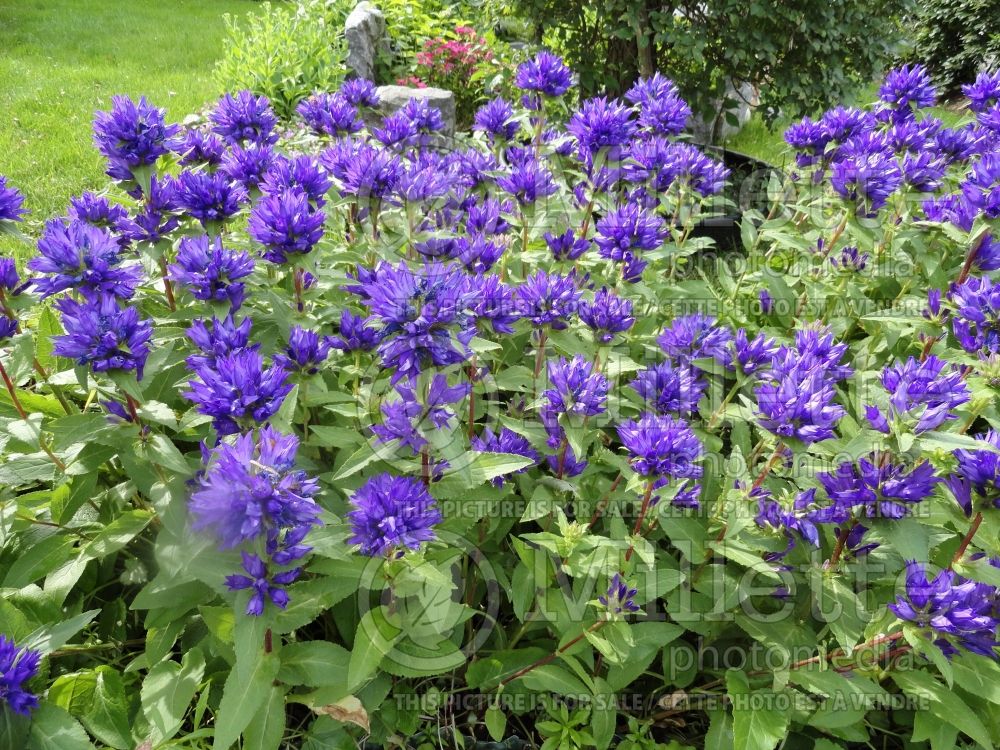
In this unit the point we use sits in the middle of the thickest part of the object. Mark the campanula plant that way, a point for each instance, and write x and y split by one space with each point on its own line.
344 430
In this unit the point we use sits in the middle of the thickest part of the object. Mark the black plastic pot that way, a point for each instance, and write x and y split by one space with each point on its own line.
747 189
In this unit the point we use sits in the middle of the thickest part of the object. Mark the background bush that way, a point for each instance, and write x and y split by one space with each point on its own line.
956 39
803 55
286 52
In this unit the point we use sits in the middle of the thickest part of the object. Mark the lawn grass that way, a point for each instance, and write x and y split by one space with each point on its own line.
63 59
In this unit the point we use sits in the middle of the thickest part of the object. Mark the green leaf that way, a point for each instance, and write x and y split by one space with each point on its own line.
242 697
554 679
755 727
127 382
117 534
603 714
374 639
163 452
107 717
648 640
978 675
54 729
496 722
907 536
265 730
363 456
842 610
14 729
482 468
50 637
40 559
314 663
940 734
720 731
48 326
944 704
167 691
248 637
74 692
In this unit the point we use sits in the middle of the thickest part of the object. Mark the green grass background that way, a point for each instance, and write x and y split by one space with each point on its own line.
63 59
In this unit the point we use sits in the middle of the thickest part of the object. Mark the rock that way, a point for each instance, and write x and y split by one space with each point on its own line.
718 127
365 33
395 97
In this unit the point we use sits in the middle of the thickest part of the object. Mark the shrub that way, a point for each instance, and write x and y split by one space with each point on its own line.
956 39
402 438
802 55
286 52
409 25
461 62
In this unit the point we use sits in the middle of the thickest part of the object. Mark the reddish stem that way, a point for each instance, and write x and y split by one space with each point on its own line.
967 540
838 549
299 304
604 500
562 459
550 657
168 286
768 466
425 467
12 390
971 258
133 408
642 516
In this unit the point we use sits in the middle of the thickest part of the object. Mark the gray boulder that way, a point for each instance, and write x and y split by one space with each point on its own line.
395 97
365 33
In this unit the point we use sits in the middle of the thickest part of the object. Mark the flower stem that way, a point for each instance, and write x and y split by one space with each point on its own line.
540 352
971 258
551 657
838 548
562 459
642 516
297 281
472 397
768 466
604 500
168 285
425 466
966 540
722 407
12 390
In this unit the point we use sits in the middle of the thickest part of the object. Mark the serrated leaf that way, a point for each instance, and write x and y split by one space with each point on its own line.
372 642
50 637
117 534
242 697
755 727
167 692
267 727
54 729
314 663
552 678
107 716
944 704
